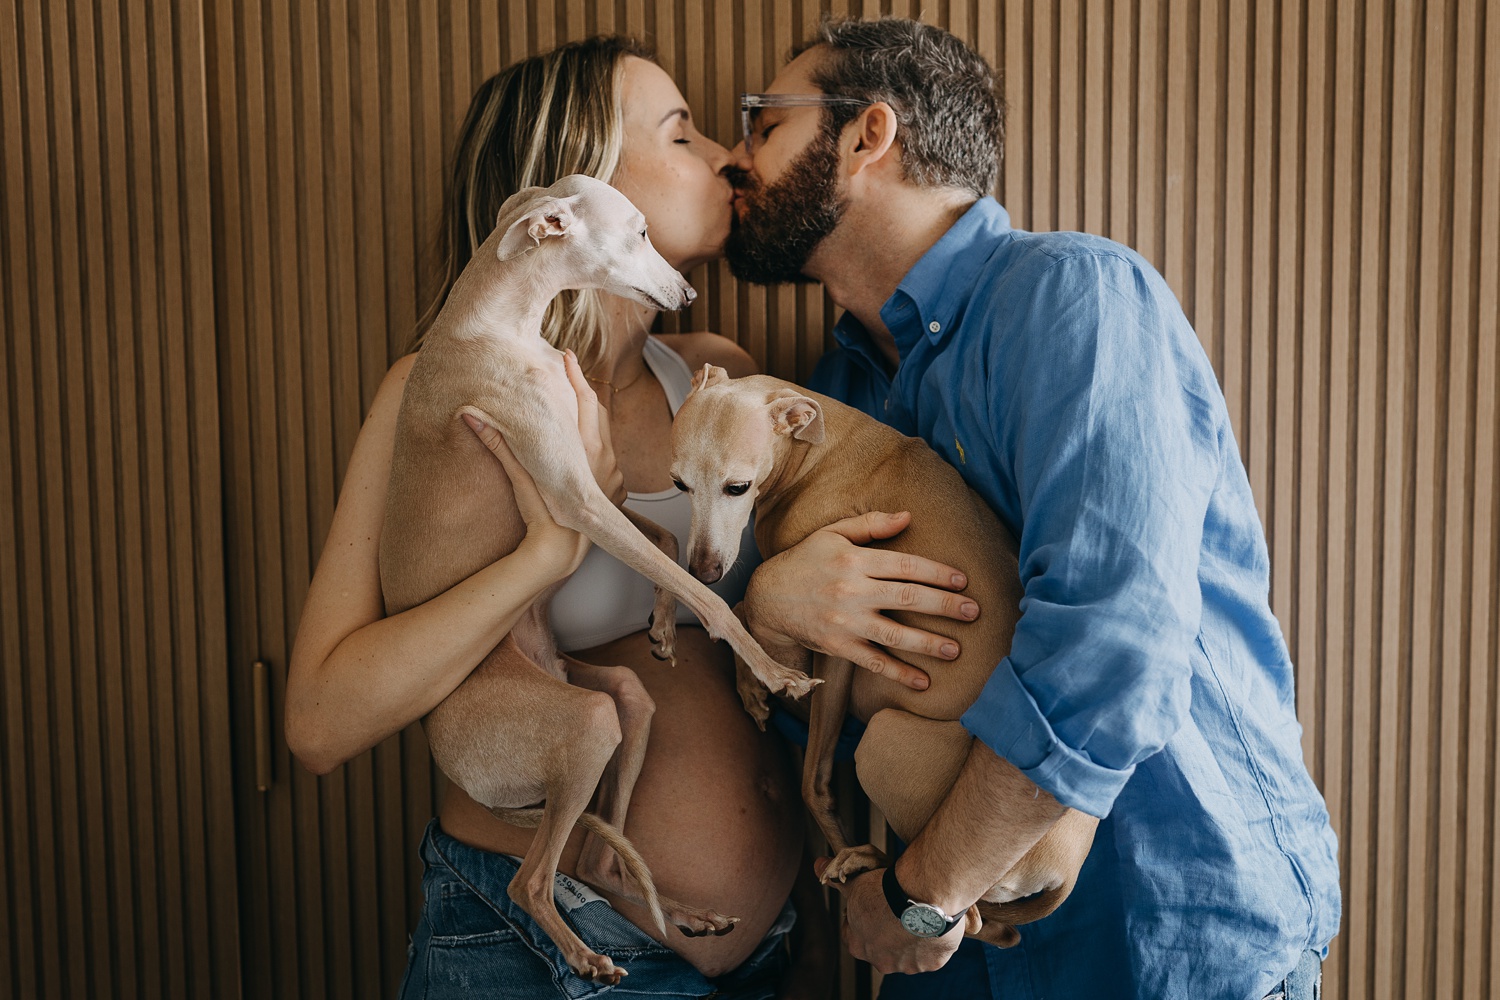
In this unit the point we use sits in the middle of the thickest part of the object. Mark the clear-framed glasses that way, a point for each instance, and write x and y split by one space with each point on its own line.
752 103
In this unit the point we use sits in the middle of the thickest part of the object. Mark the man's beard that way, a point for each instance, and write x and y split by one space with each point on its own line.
784 223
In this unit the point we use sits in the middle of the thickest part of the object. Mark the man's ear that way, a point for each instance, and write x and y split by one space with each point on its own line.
872 136
544 220
709 375
795 414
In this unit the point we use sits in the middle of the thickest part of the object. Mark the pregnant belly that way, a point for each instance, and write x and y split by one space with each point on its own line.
714 814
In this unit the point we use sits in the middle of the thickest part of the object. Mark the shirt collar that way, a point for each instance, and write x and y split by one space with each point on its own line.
939 284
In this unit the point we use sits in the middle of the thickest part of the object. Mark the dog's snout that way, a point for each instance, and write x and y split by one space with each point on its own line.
706 568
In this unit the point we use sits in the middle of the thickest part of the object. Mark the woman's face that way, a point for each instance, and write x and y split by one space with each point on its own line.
670 169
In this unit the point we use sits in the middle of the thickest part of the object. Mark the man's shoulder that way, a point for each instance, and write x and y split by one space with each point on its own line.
1039 252
1040 272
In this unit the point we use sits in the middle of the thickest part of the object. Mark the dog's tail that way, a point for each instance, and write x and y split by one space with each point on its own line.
635 865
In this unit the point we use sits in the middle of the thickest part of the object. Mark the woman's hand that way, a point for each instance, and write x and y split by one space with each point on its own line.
593 427
564 547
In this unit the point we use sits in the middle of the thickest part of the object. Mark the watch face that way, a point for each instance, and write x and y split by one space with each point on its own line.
924 921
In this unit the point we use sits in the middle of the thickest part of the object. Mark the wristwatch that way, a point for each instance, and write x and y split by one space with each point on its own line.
921 919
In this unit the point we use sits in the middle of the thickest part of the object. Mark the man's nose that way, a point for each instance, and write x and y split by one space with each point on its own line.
739 159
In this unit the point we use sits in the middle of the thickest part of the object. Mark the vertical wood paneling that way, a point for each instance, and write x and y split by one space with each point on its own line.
217 221
118 849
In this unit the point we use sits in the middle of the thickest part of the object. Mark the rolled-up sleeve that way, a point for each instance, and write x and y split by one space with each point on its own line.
1099 400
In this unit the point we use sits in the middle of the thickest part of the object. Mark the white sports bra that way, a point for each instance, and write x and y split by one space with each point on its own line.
605 599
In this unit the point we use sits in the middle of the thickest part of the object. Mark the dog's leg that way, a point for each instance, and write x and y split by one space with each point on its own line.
825 720
608 528
598 863
532 887
552 453
753 694
1045 876
663 621
511 735
906 764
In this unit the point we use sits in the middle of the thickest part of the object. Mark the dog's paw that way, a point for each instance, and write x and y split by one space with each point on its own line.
754 698
852 861
695 922
795 685
597 969
663 629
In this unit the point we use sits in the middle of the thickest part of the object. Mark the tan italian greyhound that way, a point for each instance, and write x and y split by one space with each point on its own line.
516 733
801 461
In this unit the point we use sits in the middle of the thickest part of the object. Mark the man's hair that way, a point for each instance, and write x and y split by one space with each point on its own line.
950 118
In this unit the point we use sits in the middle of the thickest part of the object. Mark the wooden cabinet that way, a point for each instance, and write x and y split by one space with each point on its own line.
214 223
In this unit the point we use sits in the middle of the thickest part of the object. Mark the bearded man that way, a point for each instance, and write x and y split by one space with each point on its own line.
1148 683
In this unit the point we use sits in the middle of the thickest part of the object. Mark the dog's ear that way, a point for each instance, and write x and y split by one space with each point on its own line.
709 375
795 414
548 218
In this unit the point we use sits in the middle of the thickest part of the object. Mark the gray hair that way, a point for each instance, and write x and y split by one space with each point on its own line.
949 115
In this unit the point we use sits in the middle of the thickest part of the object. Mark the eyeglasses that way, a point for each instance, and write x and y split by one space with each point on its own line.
752 103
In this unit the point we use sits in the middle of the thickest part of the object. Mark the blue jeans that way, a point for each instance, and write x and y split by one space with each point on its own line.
473 940
1305 982
965 978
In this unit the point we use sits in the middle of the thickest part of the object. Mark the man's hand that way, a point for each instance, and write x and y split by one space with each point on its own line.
873 934
828 591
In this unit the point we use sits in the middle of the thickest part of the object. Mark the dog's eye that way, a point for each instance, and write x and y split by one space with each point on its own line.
736 489
679 484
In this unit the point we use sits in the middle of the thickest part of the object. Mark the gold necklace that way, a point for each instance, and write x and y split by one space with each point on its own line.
615 390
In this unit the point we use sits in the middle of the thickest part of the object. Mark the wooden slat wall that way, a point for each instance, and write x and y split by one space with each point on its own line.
1318 181
117 873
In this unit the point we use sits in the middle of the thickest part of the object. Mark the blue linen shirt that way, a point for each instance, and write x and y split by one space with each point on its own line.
1148 681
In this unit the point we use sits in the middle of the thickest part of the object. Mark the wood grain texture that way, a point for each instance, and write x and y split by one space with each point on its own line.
118 850
217 223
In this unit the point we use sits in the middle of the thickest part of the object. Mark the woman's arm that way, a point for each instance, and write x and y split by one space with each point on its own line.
356 676
698 349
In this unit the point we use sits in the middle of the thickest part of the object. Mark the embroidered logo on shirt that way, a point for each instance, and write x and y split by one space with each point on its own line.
961 458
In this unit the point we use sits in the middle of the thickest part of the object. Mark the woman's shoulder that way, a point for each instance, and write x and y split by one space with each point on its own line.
698 349
388 396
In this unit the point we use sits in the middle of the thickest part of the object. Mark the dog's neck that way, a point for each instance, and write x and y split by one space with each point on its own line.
499 298
795 462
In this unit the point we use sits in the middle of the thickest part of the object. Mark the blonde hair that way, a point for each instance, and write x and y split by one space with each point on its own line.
541 119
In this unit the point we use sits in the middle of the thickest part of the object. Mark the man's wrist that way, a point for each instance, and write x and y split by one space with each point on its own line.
918 917
927 886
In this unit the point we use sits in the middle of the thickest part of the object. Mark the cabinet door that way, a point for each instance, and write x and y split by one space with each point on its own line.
316 169
117 862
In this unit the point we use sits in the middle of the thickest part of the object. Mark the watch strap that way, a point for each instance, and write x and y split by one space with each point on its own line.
900 901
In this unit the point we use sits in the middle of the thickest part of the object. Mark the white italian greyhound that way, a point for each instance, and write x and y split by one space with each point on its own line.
515 733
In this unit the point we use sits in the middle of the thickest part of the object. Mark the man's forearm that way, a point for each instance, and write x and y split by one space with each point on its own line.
992 816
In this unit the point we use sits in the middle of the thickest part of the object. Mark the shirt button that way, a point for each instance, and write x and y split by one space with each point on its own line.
934 326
